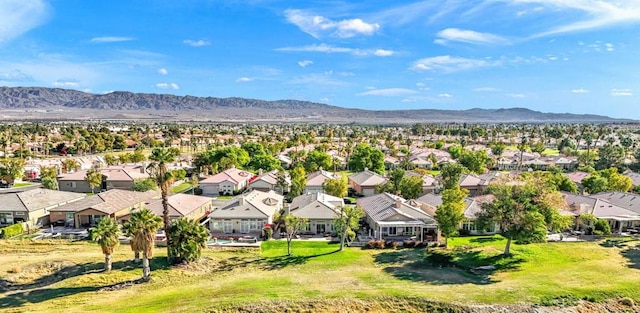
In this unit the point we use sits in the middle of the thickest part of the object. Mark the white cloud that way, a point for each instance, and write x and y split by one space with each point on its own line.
108 39
19 16
316 25
324 48
318 79
529 11
304 63
609 47
383 53
15 76
486 89
516 95
196 43
422 86
621 92
173 86
581 90
448 64
388 92
244 80
468 36
445 95
163 71
324 100
66 83
597 13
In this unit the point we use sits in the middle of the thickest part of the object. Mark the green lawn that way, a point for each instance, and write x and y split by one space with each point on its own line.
22 184
181 188
57 276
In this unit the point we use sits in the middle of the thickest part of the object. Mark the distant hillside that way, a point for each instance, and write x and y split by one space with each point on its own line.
54 103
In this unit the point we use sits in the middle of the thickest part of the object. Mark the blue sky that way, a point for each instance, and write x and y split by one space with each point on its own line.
576 56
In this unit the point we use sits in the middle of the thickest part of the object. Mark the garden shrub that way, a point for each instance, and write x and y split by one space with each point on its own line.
379 244
464 232
267 233
391 244
602 226
408 244
371 244
10 231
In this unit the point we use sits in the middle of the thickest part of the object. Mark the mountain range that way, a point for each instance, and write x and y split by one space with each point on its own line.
60 104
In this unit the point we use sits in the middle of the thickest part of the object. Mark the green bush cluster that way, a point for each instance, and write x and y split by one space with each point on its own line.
11 231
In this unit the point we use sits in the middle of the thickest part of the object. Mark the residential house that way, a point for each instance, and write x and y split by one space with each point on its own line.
430 183
315 180
365 183
114 177
227 182
393 217
33 206
183 205
269 181
319 208
391 162
246 213
577 177
477 184
635 178
622 210
565 163
114 203
472 207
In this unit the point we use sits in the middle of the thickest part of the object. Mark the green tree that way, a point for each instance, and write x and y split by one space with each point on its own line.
475 162
293 225
13 168
595 184
188 238
523 210
142 227
163 178
298 181
395 177
610 156
69 165
411 187
616 181
93 178
144 184
111 159
316 160
265 162
450 175
50 183
48 176
365 156
106 235
347 223
336 187
451 213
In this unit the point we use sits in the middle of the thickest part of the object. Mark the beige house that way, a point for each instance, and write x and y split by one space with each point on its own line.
33 206
269 181
226 182
114 177
183 205
246 213
319 208
315 180
115 203
472 207
364 183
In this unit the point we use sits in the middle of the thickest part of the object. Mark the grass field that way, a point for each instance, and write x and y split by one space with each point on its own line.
58 276
181 187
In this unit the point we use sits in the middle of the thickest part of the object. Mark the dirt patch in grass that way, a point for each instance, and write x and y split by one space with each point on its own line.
29 273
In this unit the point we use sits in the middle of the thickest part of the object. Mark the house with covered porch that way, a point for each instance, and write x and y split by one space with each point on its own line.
246 213
392 217
319 208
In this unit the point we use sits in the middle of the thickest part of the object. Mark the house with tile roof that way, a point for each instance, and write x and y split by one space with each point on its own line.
269 181
429 183
319 208
114 203
246 213
33 206
227 182
183 205
315 180
473 206
114 177
365 183
393 217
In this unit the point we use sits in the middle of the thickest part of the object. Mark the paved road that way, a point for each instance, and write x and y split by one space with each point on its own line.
20 189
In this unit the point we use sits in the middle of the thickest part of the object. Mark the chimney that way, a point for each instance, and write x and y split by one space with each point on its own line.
241 201
366 169
398 203
143 167
259 172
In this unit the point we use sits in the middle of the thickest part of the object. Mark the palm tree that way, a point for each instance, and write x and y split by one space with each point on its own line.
188 240
142 227
106 235
163 178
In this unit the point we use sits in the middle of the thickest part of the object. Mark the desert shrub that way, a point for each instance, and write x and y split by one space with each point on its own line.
371 244
391 244
380 244
408 244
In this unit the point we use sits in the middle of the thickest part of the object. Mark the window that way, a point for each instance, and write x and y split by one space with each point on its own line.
6 218
244 226
216 224
255 224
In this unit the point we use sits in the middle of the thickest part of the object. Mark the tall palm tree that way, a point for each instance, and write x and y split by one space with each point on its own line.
163 178
142 226
106 235
189 238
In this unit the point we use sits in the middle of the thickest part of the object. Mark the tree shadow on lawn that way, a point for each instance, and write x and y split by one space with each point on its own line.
269 263
485 239
628 250
74 270
446 267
